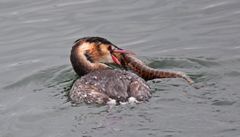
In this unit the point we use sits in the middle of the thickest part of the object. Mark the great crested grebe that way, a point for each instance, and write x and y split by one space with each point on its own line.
100 84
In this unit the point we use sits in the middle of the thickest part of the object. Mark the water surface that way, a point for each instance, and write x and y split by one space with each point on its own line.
200 38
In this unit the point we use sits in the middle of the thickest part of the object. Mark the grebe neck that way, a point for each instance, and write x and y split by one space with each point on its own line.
82 61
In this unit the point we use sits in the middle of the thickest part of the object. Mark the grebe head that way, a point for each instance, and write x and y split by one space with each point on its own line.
91 53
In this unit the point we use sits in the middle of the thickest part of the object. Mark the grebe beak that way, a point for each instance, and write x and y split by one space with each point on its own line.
121 51
115 59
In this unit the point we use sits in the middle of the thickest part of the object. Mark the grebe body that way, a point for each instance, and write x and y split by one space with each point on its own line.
104 86
98 83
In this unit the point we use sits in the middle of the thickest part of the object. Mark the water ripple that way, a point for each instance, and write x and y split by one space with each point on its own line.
200 38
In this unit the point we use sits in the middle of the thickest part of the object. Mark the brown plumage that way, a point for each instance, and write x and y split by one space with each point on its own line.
88 53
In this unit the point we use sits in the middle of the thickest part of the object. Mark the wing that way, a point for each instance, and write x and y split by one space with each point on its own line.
87 93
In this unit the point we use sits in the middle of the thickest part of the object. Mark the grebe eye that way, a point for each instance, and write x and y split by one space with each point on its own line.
110 48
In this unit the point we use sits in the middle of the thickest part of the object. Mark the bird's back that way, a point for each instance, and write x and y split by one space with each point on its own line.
103 85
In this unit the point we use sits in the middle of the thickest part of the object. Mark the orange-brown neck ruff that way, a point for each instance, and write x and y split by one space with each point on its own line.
83 58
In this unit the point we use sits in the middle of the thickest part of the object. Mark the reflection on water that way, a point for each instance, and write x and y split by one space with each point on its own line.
197 37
